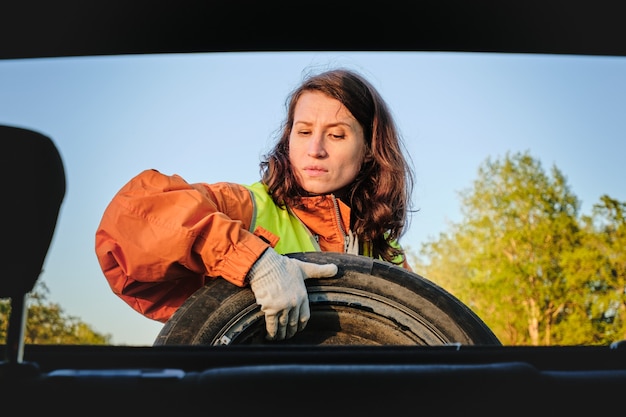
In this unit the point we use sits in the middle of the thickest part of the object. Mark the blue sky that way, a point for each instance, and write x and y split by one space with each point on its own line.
209 117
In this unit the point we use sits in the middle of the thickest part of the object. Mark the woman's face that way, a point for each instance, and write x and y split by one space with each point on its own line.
326 144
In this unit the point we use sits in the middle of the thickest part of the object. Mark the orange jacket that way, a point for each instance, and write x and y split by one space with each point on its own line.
161 238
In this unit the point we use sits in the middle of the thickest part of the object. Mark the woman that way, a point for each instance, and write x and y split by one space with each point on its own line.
337 180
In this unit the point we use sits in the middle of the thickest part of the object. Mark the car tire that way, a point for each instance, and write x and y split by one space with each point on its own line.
368 302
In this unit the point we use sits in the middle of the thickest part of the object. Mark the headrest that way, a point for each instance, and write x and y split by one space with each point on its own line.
32 183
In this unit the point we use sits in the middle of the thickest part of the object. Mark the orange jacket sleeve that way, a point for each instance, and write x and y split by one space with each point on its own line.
160 238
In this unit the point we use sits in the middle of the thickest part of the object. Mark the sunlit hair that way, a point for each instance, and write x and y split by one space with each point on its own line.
380 196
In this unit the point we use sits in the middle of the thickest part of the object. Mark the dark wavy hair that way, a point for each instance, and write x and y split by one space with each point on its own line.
380 196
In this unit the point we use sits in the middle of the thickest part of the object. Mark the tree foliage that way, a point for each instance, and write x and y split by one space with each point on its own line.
527 264
597 268
47 323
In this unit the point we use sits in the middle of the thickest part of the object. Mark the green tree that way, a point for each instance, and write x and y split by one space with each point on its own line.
47 323
504 259
596 270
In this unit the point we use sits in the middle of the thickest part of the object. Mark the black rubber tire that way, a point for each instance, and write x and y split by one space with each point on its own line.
368 302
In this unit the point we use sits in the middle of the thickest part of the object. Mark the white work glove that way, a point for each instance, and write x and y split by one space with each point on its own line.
277 282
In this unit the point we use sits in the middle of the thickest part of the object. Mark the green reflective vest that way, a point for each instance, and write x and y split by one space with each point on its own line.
294 235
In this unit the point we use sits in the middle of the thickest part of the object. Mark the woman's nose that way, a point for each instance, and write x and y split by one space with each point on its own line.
316 147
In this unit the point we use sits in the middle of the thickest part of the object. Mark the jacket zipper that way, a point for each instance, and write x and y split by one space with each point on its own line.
346 242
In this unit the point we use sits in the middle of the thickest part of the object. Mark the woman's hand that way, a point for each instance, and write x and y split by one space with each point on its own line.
277 282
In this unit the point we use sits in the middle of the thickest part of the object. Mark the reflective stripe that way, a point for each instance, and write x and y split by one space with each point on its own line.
367 251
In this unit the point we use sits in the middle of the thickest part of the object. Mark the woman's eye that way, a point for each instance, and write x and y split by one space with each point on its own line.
335 136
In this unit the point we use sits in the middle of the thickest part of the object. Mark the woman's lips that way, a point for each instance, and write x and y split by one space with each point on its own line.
315 171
